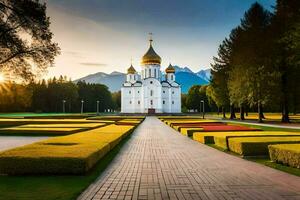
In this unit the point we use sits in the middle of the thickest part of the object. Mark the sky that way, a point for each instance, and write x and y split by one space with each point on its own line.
107 35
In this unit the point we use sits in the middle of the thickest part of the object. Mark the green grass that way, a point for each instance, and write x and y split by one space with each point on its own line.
269 163
53 187
262 160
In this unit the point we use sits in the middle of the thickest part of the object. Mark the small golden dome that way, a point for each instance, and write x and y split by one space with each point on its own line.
170 69
151 57
131 70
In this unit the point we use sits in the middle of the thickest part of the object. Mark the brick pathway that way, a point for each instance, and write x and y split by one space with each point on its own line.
159 163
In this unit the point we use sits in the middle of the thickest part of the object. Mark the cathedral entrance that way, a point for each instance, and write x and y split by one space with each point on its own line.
151 111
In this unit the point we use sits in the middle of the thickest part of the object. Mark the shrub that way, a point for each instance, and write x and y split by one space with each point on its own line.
72 154
256 146
221 140
75 125
287 154
40 131
189 131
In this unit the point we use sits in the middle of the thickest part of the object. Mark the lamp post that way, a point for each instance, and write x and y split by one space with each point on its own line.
203 111
98 107
64 106
82 106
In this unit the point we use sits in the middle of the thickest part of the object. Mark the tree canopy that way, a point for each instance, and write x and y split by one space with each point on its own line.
26 46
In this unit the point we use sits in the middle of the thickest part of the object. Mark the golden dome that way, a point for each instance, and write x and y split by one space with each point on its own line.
170 69
151 57
131 70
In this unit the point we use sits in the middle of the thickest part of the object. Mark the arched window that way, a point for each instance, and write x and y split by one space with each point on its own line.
149 72
151 102
151 93
139 102
155 72
164 102
172 77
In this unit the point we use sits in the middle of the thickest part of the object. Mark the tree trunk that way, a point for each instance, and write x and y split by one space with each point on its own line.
260 113
232 113
223 111
285 113
242 113
218 111
285 110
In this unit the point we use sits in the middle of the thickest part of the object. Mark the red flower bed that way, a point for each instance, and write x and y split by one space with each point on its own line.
197 124
228 128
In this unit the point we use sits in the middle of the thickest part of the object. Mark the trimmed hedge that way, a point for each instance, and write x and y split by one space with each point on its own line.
75 125
221 140
287 154
72 154
189 131
256 146
40 131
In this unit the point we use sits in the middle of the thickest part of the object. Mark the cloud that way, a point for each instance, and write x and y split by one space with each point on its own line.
92 64
74 54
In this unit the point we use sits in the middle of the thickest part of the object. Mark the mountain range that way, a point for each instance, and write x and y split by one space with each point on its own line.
184 76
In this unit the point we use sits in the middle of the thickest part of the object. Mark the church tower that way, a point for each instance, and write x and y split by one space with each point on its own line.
132 75
151 63
170 74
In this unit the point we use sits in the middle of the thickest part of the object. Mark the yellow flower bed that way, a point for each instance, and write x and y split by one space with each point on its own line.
75 125
254 146
170 122
134 121
287 154
221 139
72 154
189 131
39 131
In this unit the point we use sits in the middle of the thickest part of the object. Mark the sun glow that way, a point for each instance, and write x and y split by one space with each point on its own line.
2 78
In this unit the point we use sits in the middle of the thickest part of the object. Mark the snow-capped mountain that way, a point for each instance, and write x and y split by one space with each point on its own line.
113 80
204 74
184 76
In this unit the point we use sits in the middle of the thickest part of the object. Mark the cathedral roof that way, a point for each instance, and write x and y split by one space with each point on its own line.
131 70
170 69
151 57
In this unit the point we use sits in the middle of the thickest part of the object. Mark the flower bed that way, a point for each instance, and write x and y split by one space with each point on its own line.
221 140
256 146
228 128
189 131
39 131
72 154
75 125
178 126
211 128
287 154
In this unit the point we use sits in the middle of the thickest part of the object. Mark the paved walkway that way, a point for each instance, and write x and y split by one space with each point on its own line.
159 163
9 142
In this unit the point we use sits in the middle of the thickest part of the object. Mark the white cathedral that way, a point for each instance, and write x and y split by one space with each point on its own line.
150 91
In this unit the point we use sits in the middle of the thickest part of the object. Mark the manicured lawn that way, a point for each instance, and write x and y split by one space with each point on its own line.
238 138
52 187
72 154
269 163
